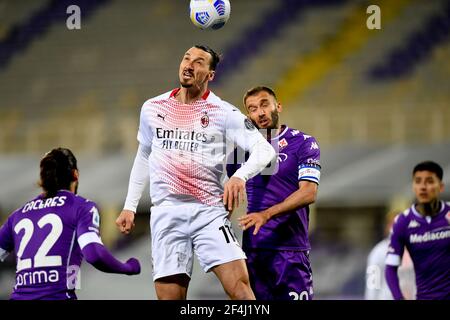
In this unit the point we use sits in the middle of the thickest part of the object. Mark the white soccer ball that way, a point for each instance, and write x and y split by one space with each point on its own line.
210 14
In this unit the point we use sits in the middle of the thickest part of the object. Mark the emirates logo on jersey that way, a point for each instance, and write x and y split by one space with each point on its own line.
204 120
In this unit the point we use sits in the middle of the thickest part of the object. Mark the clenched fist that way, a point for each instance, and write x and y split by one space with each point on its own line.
125 221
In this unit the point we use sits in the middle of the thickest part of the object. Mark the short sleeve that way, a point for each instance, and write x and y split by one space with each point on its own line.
88 224
308 156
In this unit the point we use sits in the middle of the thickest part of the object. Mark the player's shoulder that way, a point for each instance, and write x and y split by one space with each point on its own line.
215 100
379 251
382 246
303 142
402 218
28 205
299 135
157 99
445 211
82 202
74 200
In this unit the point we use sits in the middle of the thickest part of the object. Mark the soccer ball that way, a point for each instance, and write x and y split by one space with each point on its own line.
210 14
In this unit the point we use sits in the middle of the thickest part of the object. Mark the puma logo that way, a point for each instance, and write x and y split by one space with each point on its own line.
162 117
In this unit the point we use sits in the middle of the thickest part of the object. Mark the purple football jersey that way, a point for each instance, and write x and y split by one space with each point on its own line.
298 159
46 235
428 242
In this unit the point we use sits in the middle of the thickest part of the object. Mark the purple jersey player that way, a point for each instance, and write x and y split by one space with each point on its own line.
52 233
276 225
424 229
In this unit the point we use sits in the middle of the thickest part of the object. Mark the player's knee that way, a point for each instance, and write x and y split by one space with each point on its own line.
241 290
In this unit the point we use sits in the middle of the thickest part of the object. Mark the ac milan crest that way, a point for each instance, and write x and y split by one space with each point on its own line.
204 120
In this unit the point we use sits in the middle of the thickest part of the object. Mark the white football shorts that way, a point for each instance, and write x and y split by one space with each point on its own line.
177 231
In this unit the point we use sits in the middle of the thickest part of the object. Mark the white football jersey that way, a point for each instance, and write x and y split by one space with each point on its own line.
189 144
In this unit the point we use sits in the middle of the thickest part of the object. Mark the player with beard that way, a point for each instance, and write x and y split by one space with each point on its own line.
275 237
182 138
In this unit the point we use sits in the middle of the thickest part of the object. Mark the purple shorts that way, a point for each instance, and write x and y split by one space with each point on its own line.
280 274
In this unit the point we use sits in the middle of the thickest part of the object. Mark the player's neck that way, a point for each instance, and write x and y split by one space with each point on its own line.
73 187
278 130
190 95
269 134
430 208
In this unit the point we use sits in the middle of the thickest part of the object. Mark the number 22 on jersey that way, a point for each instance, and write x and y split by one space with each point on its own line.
41 259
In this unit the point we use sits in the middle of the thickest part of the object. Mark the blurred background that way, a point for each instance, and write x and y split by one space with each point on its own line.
378 101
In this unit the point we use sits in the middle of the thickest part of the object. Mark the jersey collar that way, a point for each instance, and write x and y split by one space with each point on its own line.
176 90
417 214
282 132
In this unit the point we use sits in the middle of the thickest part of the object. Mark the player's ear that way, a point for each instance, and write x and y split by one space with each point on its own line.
75 175
211 75
279 107
442 187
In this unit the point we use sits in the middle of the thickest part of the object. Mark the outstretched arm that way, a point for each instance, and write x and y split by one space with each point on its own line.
97 255
91 245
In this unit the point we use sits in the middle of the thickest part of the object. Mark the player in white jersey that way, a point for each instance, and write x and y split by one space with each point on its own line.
376 287
184 136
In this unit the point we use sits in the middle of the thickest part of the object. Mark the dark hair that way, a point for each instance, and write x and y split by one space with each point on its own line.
57 171
430 166
258 89
215 58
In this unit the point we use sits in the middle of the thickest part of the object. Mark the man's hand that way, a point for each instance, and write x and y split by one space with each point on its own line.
234 193
257 219
125 221
134 265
